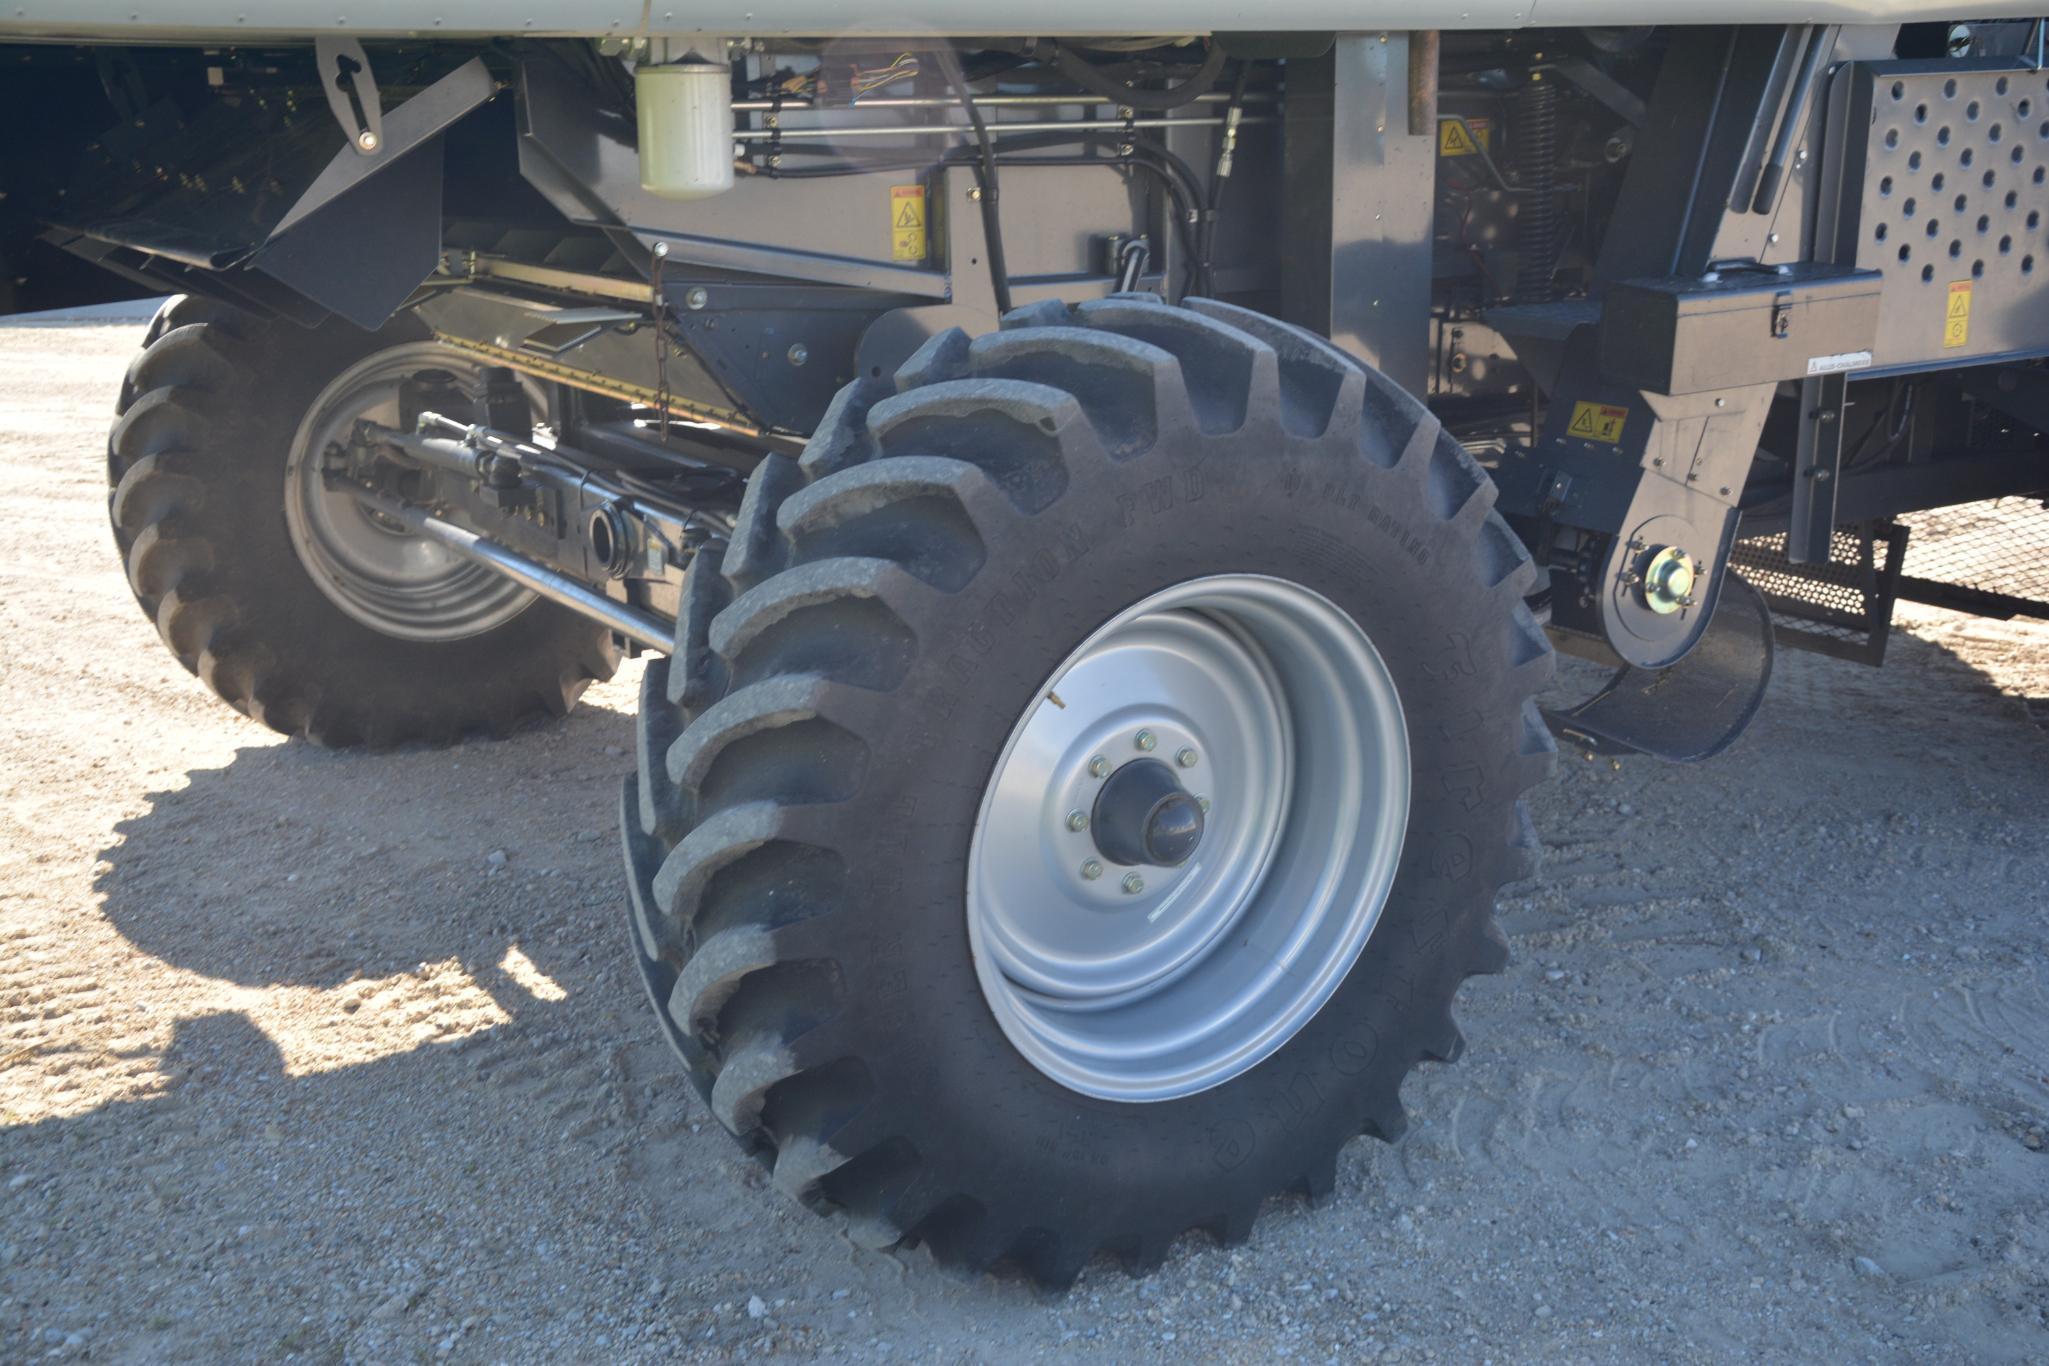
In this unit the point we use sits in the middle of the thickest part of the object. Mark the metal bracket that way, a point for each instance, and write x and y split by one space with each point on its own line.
1782 317
351 90
1818 461
1621 101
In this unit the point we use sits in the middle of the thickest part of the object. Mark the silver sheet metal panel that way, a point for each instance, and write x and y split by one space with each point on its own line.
1944 187
242 20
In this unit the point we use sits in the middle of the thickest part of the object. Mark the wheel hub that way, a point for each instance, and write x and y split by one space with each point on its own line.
1144 815
1233 750
374 569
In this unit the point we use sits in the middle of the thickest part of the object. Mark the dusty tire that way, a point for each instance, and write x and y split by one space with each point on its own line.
797 836
196 472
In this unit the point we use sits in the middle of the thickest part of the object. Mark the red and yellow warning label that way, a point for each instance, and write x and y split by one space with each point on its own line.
907 222
1463 137
1597 421
1956 321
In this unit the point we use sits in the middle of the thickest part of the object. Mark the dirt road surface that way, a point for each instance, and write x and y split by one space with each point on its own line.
340 1056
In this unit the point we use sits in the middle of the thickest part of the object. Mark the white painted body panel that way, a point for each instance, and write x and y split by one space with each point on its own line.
197 21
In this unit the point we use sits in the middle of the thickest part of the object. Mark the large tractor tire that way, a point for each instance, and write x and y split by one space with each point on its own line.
1083 785
294 603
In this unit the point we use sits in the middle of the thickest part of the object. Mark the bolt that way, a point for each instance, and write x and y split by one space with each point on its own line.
1133 884
975 195
697 298
1077 820
1145 740
661 248
1203 802
1186 758
799 353
1098 766
367 140
1092 870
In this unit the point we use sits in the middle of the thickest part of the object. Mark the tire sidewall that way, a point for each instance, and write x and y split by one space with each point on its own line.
249 405
1258 502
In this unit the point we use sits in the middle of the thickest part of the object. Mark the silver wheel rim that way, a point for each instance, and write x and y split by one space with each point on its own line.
1275 708
385 577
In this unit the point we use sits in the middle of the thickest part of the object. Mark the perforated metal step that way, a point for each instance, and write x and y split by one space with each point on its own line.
1989 558
1842 607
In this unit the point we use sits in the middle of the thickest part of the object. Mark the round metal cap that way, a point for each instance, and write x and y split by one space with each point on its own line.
1144 815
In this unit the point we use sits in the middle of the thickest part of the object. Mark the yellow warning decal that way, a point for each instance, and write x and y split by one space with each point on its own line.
1597 421
907 222
1956 323
1462 137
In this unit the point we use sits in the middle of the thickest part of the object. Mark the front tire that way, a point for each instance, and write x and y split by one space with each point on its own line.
210 514
806 832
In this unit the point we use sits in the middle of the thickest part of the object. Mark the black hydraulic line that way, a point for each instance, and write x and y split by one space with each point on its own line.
1821 42
1206 274
985 180
1090 78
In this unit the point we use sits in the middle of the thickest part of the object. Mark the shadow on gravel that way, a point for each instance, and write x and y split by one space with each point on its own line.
481 1191
1774 1022
294 865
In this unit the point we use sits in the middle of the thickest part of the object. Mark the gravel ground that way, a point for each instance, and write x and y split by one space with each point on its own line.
332 1055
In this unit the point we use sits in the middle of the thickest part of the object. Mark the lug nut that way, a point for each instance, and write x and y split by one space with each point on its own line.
1186 758
1145 740
1203 802
1098 766
1092 870
1077 820
1133 884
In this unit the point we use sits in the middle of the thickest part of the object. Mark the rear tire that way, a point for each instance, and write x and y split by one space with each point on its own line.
196 465
814 758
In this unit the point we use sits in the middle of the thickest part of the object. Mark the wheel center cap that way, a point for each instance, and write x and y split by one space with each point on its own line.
1144 816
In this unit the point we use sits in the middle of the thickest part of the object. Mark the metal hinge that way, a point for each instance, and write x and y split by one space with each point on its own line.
351 92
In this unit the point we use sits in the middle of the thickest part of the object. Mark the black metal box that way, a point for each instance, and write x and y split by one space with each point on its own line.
1738 325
